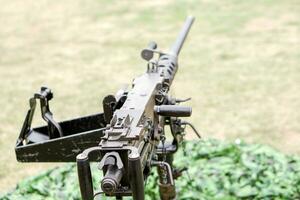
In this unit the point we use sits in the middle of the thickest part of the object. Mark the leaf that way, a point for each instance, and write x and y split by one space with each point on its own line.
217 170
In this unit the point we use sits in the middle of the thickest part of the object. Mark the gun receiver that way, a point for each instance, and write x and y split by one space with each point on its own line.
127 140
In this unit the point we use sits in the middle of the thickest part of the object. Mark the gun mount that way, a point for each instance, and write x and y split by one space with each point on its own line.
127 139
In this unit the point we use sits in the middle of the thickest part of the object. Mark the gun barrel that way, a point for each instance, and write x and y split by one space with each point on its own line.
175 49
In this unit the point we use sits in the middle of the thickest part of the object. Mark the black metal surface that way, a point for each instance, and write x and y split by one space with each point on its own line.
45 95
113 173
80 134
85 177
136 176
173 111
109 103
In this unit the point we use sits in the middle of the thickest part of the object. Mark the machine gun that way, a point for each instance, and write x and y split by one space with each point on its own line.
127 139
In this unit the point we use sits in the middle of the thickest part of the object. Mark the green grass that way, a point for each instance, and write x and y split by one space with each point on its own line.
240 64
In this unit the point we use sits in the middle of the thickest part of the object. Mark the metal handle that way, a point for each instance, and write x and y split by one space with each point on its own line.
85 177
136 176
173 111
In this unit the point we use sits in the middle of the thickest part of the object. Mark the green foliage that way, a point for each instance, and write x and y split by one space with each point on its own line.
217 170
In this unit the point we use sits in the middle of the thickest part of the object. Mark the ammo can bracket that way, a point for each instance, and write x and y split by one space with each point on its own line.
57 141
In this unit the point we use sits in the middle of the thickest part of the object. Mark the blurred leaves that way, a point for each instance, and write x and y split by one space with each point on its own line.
217 170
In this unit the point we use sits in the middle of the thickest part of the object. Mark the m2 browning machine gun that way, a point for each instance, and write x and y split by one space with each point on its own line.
127 139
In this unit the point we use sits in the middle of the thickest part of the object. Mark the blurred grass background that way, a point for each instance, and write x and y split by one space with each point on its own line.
240 64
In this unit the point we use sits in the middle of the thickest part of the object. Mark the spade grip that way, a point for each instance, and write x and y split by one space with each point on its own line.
173 111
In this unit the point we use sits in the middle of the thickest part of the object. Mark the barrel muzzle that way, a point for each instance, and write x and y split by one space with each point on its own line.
114 170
